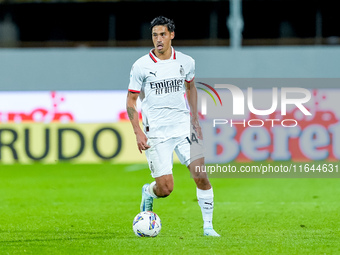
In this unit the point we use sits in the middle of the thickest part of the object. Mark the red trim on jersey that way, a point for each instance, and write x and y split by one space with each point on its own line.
134 91
152 57
190 80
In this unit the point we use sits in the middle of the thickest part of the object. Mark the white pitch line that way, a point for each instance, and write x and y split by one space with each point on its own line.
136 167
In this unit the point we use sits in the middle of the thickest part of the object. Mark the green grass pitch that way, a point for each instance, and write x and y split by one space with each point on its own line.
88 209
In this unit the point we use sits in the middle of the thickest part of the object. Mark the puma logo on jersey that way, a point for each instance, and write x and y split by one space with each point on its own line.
154 73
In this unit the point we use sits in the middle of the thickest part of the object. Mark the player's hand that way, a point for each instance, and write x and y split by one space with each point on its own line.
197 128
142 142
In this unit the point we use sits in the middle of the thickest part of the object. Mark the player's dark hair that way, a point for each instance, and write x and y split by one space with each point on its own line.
163 21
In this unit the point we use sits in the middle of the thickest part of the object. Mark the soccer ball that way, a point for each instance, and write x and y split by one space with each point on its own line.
146 224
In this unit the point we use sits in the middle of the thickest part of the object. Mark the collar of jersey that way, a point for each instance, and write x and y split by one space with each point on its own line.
155 59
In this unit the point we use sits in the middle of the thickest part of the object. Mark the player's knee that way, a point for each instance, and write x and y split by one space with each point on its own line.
199 174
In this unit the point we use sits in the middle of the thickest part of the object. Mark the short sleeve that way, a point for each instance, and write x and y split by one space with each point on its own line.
191 74
136 79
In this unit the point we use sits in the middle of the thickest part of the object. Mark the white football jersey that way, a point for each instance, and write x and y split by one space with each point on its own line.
161 84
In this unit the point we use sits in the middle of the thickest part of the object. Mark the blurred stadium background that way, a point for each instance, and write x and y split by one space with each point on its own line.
69 62
64 72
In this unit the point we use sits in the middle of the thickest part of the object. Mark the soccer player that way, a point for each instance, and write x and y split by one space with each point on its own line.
160 79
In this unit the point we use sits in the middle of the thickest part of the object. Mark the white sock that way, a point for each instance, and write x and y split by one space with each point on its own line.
150 190
206 202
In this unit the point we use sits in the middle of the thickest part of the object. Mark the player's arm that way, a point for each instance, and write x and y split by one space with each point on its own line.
191 92
131 108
